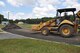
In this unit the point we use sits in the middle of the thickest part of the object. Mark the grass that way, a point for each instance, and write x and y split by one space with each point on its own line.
1 26
25 26
35 46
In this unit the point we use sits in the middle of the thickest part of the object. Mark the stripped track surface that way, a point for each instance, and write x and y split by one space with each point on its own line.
52 37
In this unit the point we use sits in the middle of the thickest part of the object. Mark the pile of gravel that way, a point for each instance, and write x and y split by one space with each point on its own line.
11 26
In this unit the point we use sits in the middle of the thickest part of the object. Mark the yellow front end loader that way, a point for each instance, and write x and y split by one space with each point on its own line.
65 25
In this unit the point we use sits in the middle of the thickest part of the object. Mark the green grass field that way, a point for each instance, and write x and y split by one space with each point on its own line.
25 26
1 26
35 46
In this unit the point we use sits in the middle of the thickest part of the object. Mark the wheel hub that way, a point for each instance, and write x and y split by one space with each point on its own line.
65 31
44 32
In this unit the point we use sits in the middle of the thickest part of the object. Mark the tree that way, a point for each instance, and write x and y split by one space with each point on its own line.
11 21
1 18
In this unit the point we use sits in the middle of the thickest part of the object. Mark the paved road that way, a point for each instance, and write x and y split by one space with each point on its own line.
10 36
52 37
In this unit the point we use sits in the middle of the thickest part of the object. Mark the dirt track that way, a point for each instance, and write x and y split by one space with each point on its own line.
52 37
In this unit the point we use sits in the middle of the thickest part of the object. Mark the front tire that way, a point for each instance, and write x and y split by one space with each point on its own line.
45 31
66 30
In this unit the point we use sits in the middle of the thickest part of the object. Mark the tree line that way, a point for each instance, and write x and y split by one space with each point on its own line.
29 21
32 21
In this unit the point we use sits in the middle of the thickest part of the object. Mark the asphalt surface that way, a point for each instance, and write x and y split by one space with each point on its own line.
10 36
52 37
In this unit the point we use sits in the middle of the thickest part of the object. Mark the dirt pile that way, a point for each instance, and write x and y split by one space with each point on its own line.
11 26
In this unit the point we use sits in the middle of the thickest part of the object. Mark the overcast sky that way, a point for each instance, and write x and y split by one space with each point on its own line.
23 9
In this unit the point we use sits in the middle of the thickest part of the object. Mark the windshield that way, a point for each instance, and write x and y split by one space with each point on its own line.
66 15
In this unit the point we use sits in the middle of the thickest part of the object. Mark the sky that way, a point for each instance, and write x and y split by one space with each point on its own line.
23 9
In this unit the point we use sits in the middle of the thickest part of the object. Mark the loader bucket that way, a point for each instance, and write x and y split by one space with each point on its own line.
41 25
35 27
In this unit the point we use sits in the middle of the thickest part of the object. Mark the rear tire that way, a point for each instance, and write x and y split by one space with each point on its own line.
45 31
66 31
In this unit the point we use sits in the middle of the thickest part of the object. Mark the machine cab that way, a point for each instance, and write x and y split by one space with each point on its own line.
64 14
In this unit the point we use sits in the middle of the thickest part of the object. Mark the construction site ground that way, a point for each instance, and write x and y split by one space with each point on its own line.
52 37
13 28
6 35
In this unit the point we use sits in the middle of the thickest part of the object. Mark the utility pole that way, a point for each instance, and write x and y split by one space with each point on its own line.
8 16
